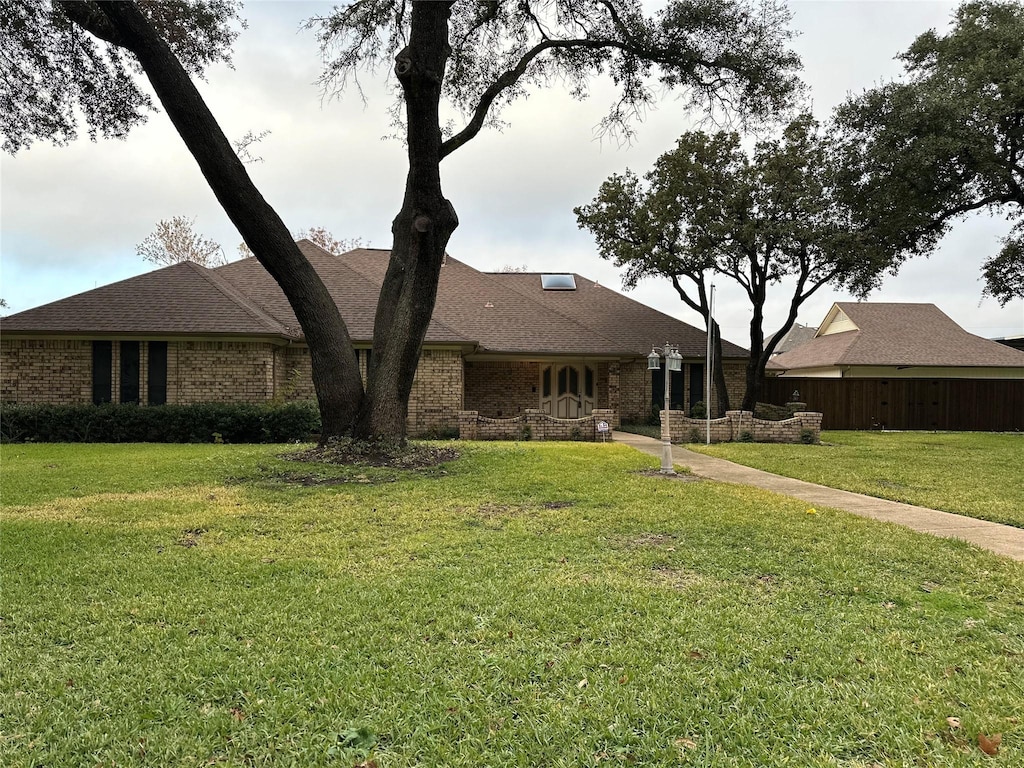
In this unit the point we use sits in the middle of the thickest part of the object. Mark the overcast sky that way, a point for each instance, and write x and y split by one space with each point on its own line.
70 217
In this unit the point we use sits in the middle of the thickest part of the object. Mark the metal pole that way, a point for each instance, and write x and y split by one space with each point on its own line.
666 431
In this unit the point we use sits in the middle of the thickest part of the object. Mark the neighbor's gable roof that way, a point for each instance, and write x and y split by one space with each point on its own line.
887 334
181 299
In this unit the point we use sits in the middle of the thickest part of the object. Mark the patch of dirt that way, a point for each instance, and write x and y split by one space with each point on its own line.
310 481
679 477
558 504
651 540
677 578
491 510
190 538
352 453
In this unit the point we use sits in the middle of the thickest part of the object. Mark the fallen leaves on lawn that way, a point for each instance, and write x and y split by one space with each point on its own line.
990 744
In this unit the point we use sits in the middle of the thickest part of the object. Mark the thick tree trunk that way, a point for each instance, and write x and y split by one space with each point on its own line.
719 373
421 231
335 372
756 362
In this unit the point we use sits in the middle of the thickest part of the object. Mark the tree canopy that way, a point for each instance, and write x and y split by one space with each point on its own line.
728 54
708 207
948 140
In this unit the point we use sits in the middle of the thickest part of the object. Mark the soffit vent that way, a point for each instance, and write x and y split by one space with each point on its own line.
558 282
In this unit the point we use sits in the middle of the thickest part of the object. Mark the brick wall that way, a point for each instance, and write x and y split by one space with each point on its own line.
501 389
735 382
293 373
45 371
740 425
634 391
220 371
532 424
436 397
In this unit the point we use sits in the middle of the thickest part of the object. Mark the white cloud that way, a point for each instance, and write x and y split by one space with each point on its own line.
71 216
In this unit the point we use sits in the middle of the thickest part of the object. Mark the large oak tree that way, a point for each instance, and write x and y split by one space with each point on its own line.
709 207
478 56
946 141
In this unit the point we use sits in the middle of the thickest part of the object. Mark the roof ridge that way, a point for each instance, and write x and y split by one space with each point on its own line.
230 291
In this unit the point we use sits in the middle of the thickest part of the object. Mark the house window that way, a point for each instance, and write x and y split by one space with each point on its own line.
546 382
129 371
156 370
588 381
696 383
658 390
102 355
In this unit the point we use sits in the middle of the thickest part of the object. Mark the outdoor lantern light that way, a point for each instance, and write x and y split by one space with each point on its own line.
673 362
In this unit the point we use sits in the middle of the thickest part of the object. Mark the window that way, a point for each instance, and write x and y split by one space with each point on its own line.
696 383
588 381
658 390
102 355
156 370
129 371
558 282
546 382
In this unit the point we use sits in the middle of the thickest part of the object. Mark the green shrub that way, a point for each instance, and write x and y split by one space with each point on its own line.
695 435
698 410
127 423
439 433
807 436
746 436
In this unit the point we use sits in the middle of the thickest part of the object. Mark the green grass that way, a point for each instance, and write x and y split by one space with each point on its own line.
971 473
526 605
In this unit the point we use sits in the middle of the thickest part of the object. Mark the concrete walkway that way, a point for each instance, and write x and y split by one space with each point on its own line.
1001 539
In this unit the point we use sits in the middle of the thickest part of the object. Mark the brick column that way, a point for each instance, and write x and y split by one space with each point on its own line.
468 427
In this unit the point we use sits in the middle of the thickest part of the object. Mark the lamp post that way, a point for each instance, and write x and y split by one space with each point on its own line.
673 362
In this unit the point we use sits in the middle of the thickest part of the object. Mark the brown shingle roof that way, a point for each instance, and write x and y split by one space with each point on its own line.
900 335
181 299
627 323
500 313
353 292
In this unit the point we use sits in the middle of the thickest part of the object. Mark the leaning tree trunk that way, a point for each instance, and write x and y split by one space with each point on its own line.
720 385
421 231
757 360
336 379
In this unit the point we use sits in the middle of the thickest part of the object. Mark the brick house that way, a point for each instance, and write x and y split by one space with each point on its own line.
498 343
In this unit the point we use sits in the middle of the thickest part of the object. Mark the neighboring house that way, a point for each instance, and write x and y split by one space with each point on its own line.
871 339
1017 342
903 366
498 343
795 336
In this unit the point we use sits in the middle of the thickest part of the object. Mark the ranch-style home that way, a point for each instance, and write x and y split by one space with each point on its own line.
903 366
498 343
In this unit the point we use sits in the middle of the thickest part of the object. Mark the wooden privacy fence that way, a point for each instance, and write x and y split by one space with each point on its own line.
984 405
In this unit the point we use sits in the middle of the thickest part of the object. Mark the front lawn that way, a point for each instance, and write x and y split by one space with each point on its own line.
526 605
977 474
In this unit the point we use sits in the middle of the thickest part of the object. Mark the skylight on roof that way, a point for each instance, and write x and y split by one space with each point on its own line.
558 282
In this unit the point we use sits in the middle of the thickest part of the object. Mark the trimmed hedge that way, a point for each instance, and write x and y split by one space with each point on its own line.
195 423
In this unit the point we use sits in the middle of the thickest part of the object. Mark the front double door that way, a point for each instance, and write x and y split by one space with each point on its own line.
567 391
